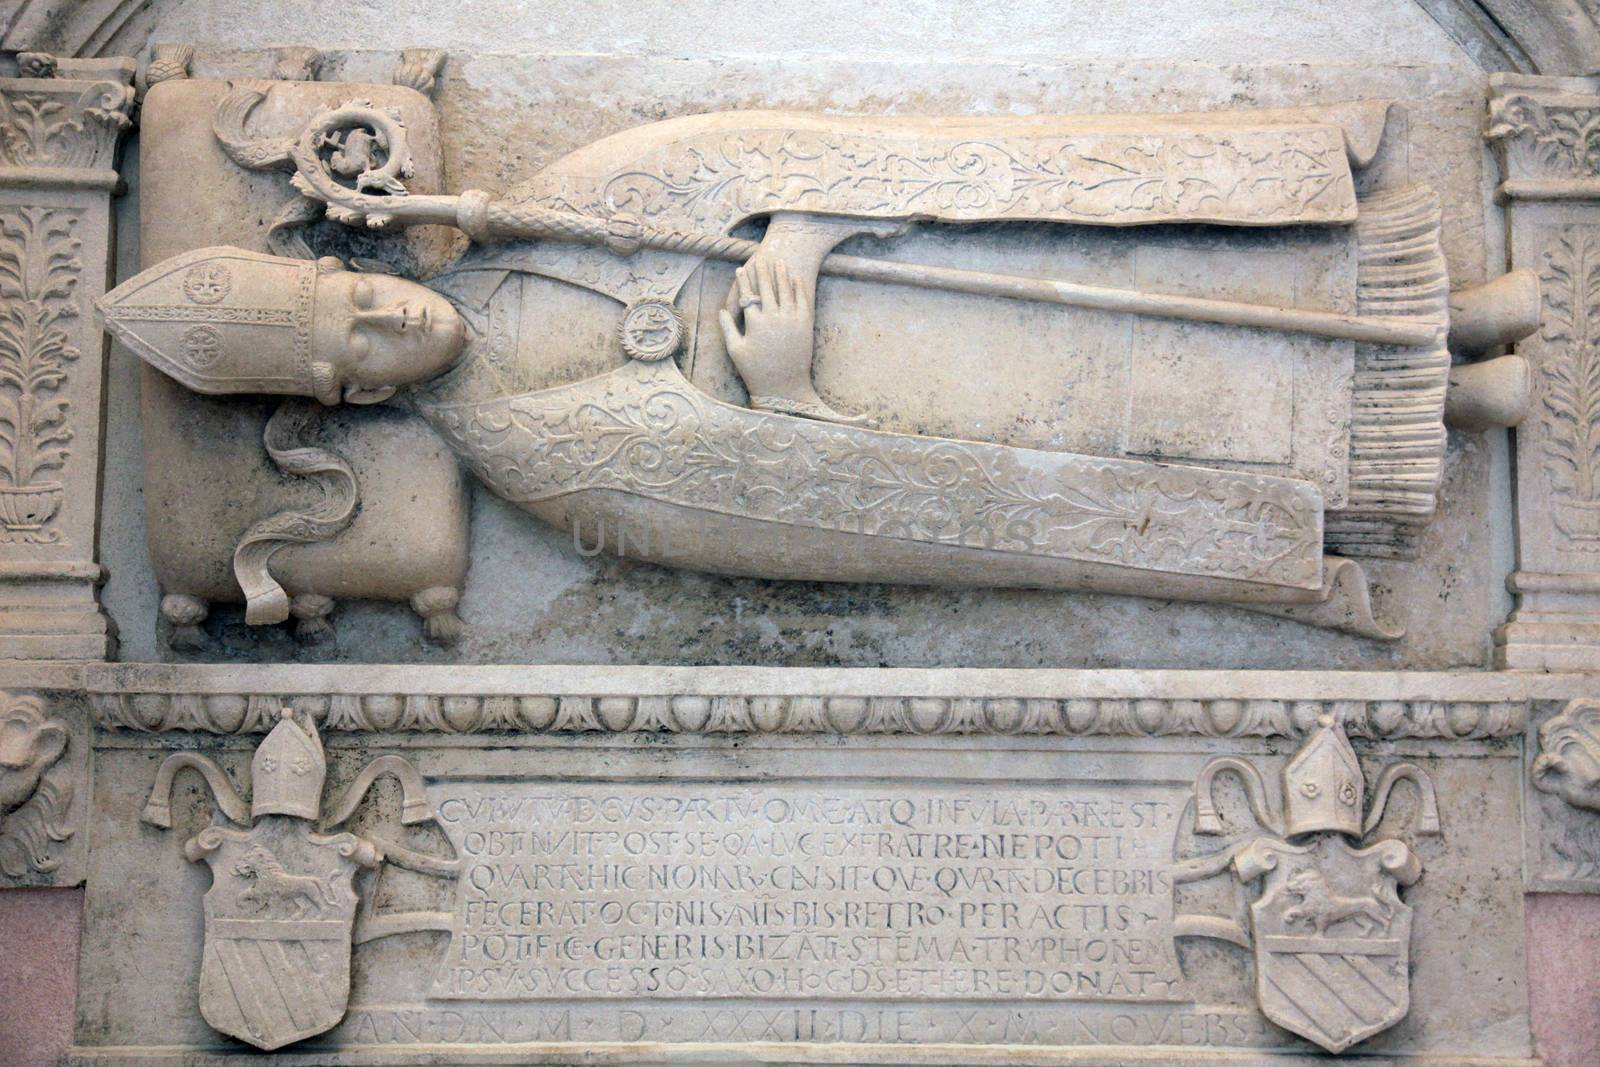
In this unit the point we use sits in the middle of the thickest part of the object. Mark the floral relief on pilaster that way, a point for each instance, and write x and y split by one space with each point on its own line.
1547 139
39 273
1570 420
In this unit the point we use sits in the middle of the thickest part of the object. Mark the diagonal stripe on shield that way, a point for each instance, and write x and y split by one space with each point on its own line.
1336 991
272 982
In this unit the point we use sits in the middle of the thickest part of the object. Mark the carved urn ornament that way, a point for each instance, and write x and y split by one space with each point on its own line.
1331 936
280 915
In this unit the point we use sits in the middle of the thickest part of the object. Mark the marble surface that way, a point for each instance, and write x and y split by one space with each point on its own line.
38 973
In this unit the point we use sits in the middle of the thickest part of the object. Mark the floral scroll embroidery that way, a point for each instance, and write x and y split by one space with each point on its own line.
644 429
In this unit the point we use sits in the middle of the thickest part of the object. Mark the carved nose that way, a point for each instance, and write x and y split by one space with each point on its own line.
397 317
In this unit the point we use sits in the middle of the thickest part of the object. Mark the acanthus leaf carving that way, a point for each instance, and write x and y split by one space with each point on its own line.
1571 384
1557 138
66 124
39 274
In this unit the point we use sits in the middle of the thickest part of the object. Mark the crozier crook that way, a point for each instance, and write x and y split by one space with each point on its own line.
1207 820
485 218
1427 817
158 809
414 806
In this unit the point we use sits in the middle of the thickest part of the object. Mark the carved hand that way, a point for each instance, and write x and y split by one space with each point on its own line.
778 323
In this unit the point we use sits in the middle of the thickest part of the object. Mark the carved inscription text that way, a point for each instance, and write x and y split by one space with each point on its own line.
796 891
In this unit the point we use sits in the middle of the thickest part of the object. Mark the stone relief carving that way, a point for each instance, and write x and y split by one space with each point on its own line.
115 708
1564 831
34 803
291 537
1554 137
281 913
1568 764
1562 798
60 124
777 492
167 61
1543 129
419 69
39 271
1330 933
75 126
1571 392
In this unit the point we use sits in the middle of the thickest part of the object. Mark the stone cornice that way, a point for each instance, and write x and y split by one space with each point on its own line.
225 699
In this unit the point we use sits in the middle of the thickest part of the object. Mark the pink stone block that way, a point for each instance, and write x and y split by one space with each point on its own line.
1564 977
38 973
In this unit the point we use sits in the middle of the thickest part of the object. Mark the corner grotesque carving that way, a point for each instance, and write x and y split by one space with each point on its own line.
1330 933
33 808
1568 764
282 904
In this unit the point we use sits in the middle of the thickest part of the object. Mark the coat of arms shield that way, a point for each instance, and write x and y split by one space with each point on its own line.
278 917
1332 936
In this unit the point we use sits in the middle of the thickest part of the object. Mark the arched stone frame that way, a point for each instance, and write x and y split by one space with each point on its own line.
1547 40
1549 37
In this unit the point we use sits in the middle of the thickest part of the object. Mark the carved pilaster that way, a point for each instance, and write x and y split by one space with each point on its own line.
58 142
1547 133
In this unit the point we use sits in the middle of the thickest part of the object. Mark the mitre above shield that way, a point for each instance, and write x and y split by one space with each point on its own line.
1322 785
288 770
224 320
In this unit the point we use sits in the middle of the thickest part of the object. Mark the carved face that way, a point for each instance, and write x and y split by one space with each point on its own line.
378 332
29 746
1571 773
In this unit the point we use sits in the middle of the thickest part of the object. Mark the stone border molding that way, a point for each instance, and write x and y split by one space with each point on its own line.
153 698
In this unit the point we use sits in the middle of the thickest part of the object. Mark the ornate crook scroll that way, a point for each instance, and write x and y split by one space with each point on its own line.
158 809
1427 819
414 806
1207 820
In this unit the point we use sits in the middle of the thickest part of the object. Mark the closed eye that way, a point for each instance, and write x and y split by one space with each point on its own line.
362 295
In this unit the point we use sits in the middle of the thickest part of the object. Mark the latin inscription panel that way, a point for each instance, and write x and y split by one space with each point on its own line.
812 890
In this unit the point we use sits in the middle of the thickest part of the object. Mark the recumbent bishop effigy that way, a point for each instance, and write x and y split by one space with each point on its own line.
1174 356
